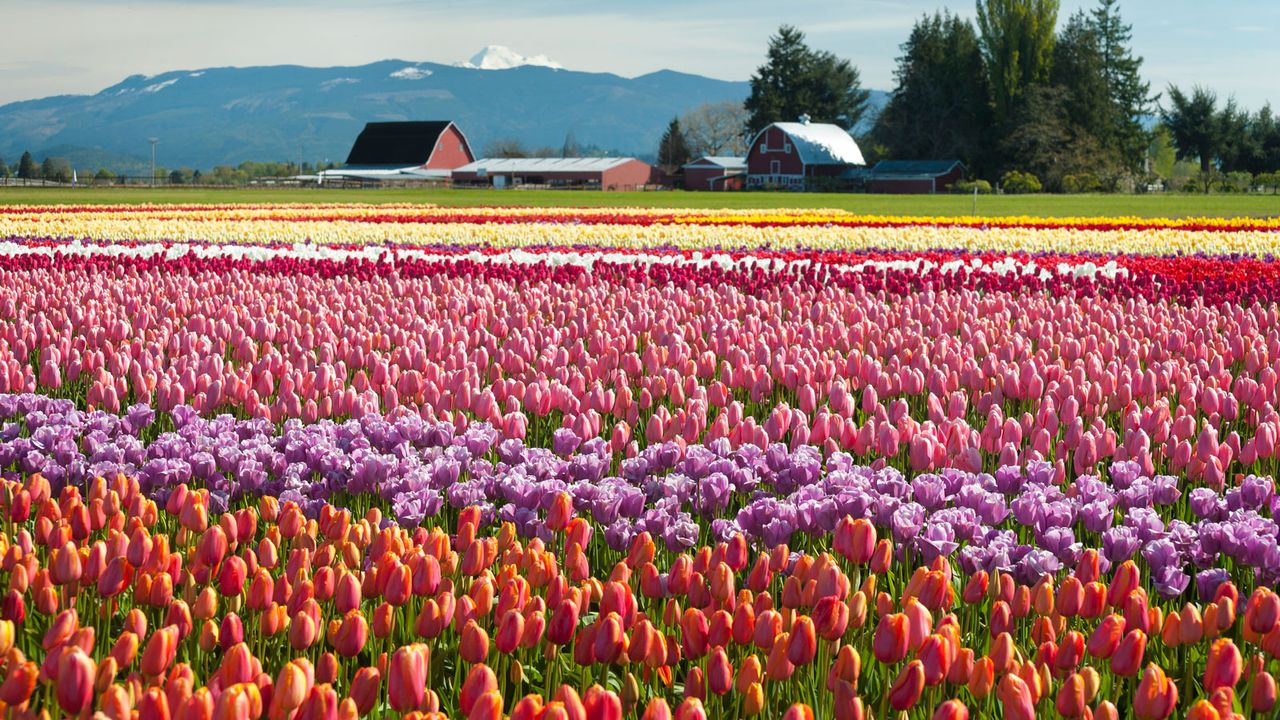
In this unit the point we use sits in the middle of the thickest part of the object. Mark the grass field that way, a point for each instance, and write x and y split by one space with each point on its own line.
946 205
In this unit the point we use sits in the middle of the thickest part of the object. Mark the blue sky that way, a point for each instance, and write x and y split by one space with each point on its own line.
80 46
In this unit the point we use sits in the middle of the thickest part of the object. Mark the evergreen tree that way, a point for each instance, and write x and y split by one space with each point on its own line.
939 109
27 168
1130 96
5 172
797 80
1017 38
673 151
1194 123
570 147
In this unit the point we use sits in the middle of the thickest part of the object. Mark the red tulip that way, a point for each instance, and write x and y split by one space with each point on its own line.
1106 638
563 624
1224 666
1128 656
365 689
480 680
75 677
407 678
935 656
353 632
719 672
908 686
19 683
474 644
890 642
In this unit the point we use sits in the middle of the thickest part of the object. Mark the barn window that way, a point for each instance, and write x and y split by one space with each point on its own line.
775 166
786 146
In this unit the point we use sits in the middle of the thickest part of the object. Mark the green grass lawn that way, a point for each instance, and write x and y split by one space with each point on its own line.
948 205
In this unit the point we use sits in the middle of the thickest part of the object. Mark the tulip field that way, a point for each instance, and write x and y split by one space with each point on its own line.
337 461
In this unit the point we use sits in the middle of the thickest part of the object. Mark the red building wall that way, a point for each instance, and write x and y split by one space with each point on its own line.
771 145
912 186
701 178
629 176
451 151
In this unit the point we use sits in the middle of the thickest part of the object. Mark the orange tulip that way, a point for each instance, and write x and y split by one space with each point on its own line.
290 689
657 709
159 654
1015 698
798 711
691 709
560 512
951 710
1106 638
1203 710
1156 696
1224 666
1071 702
803 643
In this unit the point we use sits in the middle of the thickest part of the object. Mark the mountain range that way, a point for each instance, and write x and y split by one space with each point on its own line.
224 116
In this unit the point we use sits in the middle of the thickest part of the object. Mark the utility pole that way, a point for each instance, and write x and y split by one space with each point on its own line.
153 142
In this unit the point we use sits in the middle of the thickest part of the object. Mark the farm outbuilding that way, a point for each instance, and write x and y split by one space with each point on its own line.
790 155
918 177
715 172
583 173
405 151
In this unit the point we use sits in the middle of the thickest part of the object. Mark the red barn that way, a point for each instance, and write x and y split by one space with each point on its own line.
715 172
582 173
914 177
420 150
787 155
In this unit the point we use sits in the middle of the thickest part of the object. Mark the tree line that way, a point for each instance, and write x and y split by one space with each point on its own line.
58 169
1019 101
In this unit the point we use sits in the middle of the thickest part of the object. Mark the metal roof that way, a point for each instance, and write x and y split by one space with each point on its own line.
821 143
542 165
396 143
414 172
722 161
916 168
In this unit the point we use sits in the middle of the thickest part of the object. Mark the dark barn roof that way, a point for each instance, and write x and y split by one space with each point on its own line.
887 168
396 143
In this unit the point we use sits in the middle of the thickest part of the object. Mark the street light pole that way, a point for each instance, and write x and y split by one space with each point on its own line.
153 142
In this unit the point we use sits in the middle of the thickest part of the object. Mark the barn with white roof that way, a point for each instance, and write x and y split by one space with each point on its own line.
790 155
600 173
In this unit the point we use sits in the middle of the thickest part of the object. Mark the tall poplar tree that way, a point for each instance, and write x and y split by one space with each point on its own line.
1017 38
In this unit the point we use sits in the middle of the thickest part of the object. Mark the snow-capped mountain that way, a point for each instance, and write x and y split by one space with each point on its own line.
500 57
